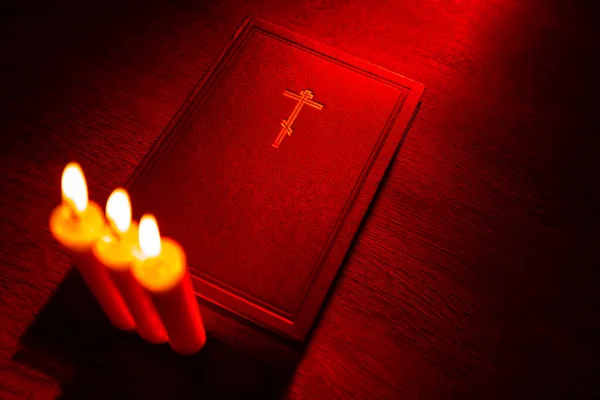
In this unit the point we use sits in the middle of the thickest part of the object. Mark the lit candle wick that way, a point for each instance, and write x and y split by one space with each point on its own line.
149 236
118 213
74 213
74 190
115 232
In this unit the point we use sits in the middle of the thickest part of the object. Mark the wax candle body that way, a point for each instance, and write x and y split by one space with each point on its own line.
116 253
166 279
78 233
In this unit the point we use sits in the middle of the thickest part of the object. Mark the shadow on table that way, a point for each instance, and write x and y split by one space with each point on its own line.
72 342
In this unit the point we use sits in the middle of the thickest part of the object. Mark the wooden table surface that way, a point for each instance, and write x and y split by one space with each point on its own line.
475 273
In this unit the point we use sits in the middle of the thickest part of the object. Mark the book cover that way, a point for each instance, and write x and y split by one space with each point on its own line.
266 172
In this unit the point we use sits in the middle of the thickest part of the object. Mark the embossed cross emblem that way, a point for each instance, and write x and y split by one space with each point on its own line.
305 97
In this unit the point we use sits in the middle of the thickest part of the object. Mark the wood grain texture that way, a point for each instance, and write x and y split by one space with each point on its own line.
475 272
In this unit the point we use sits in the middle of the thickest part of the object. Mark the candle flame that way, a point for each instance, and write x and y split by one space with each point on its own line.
149 236
118 210
74 188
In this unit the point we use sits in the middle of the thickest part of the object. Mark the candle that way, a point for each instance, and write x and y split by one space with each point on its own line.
161 269
77 224
115 251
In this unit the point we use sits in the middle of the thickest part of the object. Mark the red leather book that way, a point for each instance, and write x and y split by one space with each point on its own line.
267 170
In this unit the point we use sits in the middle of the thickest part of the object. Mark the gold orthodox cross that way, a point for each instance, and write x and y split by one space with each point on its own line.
305 97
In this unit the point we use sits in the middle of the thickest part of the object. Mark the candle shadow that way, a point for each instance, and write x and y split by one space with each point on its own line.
72 342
